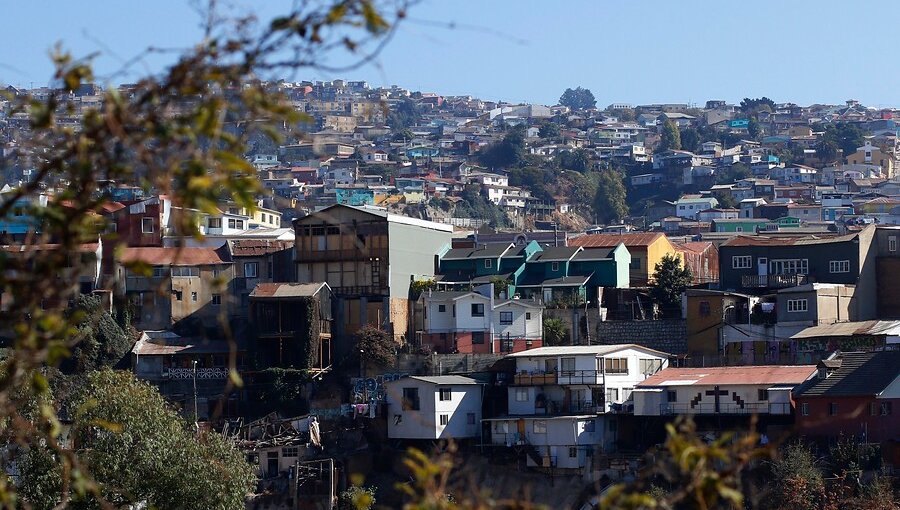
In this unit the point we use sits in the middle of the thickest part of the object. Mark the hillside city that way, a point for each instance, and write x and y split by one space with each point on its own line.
545 286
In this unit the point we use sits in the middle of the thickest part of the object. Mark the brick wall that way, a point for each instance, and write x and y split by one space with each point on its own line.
668 335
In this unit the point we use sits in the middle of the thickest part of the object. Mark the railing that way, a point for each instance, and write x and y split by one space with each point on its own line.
592 377
729 408
556 407
358 254
360 290
773 281
202 373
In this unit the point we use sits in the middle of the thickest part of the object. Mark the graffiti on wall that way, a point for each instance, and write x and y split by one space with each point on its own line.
371 389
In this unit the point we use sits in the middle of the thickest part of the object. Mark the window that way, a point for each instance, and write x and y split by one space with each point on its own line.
892 243
470 418
626 394
410 399
453 310
251 269
671 396
159 272
704 309
540 427
635 263
445 394
762 395
445 419
194 297
612 394
442 308
527 316
573 452
739 229
839 266
177 295
147 225
873 409
886 409
804 409
616 365
216 299
290 451
477 337
797 305
567 366
650 366
589 426
501 427
521 394
506 318
185 272
215 223
554 266
741 262
789 266
832 409
477 309
488 263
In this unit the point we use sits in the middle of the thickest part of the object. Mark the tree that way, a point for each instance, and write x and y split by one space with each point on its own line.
510 151
140 452
103 342
753 128
578 160
578 99
670 280
845 136
690 139
670 138
827 151
799 481
757 105
554 331
610 204
733 173
549 130
404 115
374 347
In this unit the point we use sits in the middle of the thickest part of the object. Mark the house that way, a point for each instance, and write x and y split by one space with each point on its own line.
702 258
478 264
689 206
571 275
258 261
185 287
870 154
469 322
844 336
761 263
291 324
368 257
856 394
646 250
563 401
440 407
887 267
713 391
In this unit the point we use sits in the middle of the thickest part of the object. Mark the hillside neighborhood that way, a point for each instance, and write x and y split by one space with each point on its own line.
546 286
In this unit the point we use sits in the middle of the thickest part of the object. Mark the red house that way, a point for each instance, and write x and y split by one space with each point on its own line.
854 394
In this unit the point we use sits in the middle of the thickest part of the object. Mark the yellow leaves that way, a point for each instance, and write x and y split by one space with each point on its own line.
336 13
113 427
375 23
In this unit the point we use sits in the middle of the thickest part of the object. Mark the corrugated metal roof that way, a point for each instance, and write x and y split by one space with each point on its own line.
765 374
580 350
445 379
612 240
286 290
861 373
873 327
257 247
155 256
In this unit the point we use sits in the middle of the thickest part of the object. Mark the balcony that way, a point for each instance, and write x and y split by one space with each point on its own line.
202 373
773 281
729 408
556 407
592 377
358 254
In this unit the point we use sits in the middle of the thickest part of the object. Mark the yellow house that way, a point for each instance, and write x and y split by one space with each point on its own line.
870 154
647 249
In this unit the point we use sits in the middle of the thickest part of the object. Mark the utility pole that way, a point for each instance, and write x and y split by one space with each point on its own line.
196 412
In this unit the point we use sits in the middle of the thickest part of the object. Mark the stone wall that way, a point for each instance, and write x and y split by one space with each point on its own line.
667 335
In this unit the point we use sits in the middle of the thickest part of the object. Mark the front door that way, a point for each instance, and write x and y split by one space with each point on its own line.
271 464
762 269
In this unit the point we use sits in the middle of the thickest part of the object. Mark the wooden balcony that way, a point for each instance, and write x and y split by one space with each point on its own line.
772 281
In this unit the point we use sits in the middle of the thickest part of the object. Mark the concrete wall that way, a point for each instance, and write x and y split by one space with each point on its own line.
425 423
413 250
668 335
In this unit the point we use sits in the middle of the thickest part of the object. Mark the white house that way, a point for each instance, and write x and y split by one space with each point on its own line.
764 389
689 206
563 401
440 407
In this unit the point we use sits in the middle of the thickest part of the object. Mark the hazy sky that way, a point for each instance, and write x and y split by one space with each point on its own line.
636 51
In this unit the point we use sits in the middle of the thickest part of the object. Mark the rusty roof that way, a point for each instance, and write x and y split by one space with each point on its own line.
695 246
758 240
257 247
642 239
286 290
175 256
763 374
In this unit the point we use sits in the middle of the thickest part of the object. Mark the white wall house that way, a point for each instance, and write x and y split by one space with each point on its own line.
690 206
441 407
764 389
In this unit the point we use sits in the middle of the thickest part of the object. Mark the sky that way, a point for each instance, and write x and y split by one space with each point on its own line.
637 51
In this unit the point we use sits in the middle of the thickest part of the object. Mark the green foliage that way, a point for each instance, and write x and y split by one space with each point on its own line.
281 390
554 331
374 347
670 138
476 205
798 480
610 201
753 128
417 287
357 498
501 285
139 451
404 115
690 139
733 173
578 99
670 280
754 106
506 153
103 342
726 201
549 130
827 150
843 135
578 160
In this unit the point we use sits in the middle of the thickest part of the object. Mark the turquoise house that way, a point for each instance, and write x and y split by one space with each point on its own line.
571 274
354 196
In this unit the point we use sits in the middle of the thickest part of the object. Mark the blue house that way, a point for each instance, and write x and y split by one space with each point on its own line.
19 219
354 196
571 273
423 152
461 268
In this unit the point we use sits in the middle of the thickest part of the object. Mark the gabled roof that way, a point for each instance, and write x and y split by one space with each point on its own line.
480 251
764 374
257 247
445 379
286 290
556 254
581 350
175 256
642 239
759 240
870 327
860 374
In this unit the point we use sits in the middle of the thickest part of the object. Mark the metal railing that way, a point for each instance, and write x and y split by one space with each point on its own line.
538 378
726 408
773 281
202 373
557 407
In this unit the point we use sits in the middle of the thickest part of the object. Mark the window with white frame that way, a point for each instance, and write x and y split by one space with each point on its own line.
892 243
445 394
540 427
501 427
741 262
650 366
215 223
442 308
567 366
445 419
839 266
554 266
290 451
147 225
797 305
521 394
506 318
216 299
789 266
487 263
251 269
